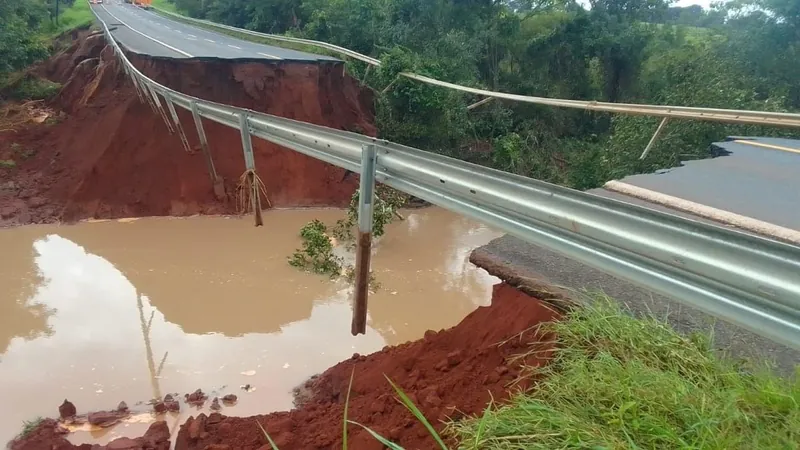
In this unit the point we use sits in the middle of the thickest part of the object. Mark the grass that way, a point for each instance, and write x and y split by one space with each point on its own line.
620 382
30 87
28 426
76 16
7 164
166 6
617 382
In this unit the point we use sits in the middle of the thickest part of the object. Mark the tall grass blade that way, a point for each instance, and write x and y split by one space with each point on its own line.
389 444
271 442
482 423
346 405
416 412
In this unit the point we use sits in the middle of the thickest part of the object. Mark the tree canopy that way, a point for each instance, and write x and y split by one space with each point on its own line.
741 54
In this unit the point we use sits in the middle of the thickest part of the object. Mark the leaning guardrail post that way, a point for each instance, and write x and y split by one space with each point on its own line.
201 134
177 121
150 95
136 86
366 199
655 136
160 109
249 183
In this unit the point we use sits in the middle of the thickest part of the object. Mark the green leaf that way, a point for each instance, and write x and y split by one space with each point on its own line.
417 413
346 405
381 439
271 442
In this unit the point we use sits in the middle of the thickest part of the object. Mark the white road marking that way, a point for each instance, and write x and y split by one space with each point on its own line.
233 46
770 146
148 37
269 56
192 36
708 212
178 31
209 40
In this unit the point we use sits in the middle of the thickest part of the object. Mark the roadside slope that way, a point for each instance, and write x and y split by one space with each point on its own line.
112 156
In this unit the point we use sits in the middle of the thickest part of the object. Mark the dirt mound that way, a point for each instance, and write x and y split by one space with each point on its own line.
48 435
447 374
112 156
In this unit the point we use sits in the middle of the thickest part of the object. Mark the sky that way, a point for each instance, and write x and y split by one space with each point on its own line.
704 3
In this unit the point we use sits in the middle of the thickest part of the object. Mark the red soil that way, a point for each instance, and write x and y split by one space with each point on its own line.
113 157
451 373
50 436
448 374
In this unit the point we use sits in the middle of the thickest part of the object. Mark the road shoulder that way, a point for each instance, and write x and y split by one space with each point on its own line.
544 273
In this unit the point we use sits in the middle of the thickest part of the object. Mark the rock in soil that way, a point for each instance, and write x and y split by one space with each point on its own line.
67 410
171 404
197 398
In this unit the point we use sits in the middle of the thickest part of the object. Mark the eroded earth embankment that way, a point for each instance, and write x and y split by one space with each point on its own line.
449 374
105 154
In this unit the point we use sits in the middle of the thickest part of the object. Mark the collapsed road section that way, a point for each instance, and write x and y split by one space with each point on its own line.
107 155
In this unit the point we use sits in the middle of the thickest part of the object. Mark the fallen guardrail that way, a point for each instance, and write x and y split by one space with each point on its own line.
748 280
666 112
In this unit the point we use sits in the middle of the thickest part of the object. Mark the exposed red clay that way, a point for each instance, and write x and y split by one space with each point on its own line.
112 156
49 435
447 374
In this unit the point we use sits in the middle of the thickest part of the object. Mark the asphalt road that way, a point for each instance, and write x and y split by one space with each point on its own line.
755 181
148 33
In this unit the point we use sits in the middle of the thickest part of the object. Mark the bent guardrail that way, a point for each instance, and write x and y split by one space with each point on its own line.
748 280
666 112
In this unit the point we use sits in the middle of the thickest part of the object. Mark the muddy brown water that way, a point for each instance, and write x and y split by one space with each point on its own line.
107 311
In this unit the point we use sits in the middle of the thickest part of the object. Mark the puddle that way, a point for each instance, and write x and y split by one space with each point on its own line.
129 310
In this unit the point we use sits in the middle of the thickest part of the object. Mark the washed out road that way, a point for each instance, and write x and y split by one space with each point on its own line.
146 32
760 179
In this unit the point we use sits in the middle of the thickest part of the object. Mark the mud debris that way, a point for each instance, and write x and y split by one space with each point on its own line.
67 410
171 404
215 406
196 398
122 407
448 374
229 399
105 419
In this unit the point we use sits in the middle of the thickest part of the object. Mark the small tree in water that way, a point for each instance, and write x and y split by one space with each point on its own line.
317 255
317 252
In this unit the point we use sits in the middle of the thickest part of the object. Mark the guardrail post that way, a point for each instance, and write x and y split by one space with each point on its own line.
150 95
160 109
201 134
366 201
655 136
136 86
177 121
252 182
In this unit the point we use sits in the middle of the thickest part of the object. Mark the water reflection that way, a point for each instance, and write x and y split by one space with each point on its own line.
112 311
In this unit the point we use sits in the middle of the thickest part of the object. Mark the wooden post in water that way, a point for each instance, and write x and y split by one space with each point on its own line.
366 200
250 163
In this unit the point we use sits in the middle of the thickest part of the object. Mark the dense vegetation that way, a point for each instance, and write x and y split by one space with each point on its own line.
620 383
27 29
743 54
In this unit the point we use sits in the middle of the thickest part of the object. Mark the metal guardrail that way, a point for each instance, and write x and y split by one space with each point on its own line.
664 111
748 280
